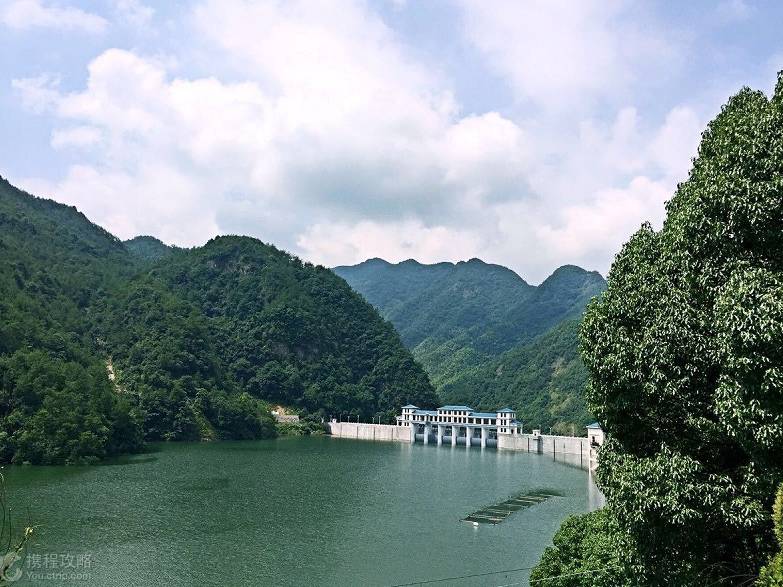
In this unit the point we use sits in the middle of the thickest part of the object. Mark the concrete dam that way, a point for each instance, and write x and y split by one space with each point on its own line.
576 450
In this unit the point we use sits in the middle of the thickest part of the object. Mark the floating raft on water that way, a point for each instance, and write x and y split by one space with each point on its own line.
494 514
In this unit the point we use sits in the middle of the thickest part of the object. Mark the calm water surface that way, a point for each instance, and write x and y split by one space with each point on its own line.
293 511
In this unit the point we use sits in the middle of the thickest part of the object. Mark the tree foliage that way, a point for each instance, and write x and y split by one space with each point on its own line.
543 381
772 574
588 549
56 402
685 355
148 248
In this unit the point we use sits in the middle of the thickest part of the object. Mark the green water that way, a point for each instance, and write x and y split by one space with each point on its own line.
293 511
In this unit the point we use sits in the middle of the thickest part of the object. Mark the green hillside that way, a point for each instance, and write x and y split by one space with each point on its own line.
149 248
56 402
471 322
440 302
238 315
542 380
198 341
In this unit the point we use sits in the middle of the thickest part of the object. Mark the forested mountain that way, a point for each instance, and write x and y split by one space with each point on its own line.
543 379
197 341
485 336
149 248
56 402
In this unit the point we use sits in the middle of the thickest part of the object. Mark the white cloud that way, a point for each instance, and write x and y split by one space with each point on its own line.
134 12
77 136
38 94
168 208
334 244
676 142
374 136
339 145
29 14
562 54
586 230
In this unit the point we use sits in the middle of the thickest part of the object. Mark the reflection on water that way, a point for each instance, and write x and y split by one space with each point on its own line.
298 511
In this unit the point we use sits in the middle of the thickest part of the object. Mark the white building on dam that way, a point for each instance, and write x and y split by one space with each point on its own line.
458 425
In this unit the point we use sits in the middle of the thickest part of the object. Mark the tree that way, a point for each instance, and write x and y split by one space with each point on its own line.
772 574
685 356
587 550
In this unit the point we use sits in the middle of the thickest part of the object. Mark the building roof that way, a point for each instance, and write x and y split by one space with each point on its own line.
594 425
426 412
419 412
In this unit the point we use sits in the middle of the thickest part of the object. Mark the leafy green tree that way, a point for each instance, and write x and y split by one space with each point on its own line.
236 416
587 550
57 411
685 356
772 574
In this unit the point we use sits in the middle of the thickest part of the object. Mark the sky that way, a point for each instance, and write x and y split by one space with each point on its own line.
526 133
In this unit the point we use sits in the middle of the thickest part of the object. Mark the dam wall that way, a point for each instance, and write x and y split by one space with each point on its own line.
360 431
573 450
545 444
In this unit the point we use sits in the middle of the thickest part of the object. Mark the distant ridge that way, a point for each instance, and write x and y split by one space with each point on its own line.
460 319
491 305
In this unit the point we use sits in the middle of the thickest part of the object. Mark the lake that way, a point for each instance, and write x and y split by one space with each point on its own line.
291 511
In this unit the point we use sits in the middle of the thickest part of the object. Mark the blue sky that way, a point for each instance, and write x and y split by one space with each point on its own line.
530 134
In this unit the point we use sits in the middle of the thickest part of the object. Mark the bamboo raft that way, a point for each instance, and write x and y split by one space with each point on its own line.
497 513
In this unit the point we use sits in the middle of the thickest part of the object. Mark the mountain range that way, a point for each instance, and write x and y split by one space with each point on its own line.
106 344
485 336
